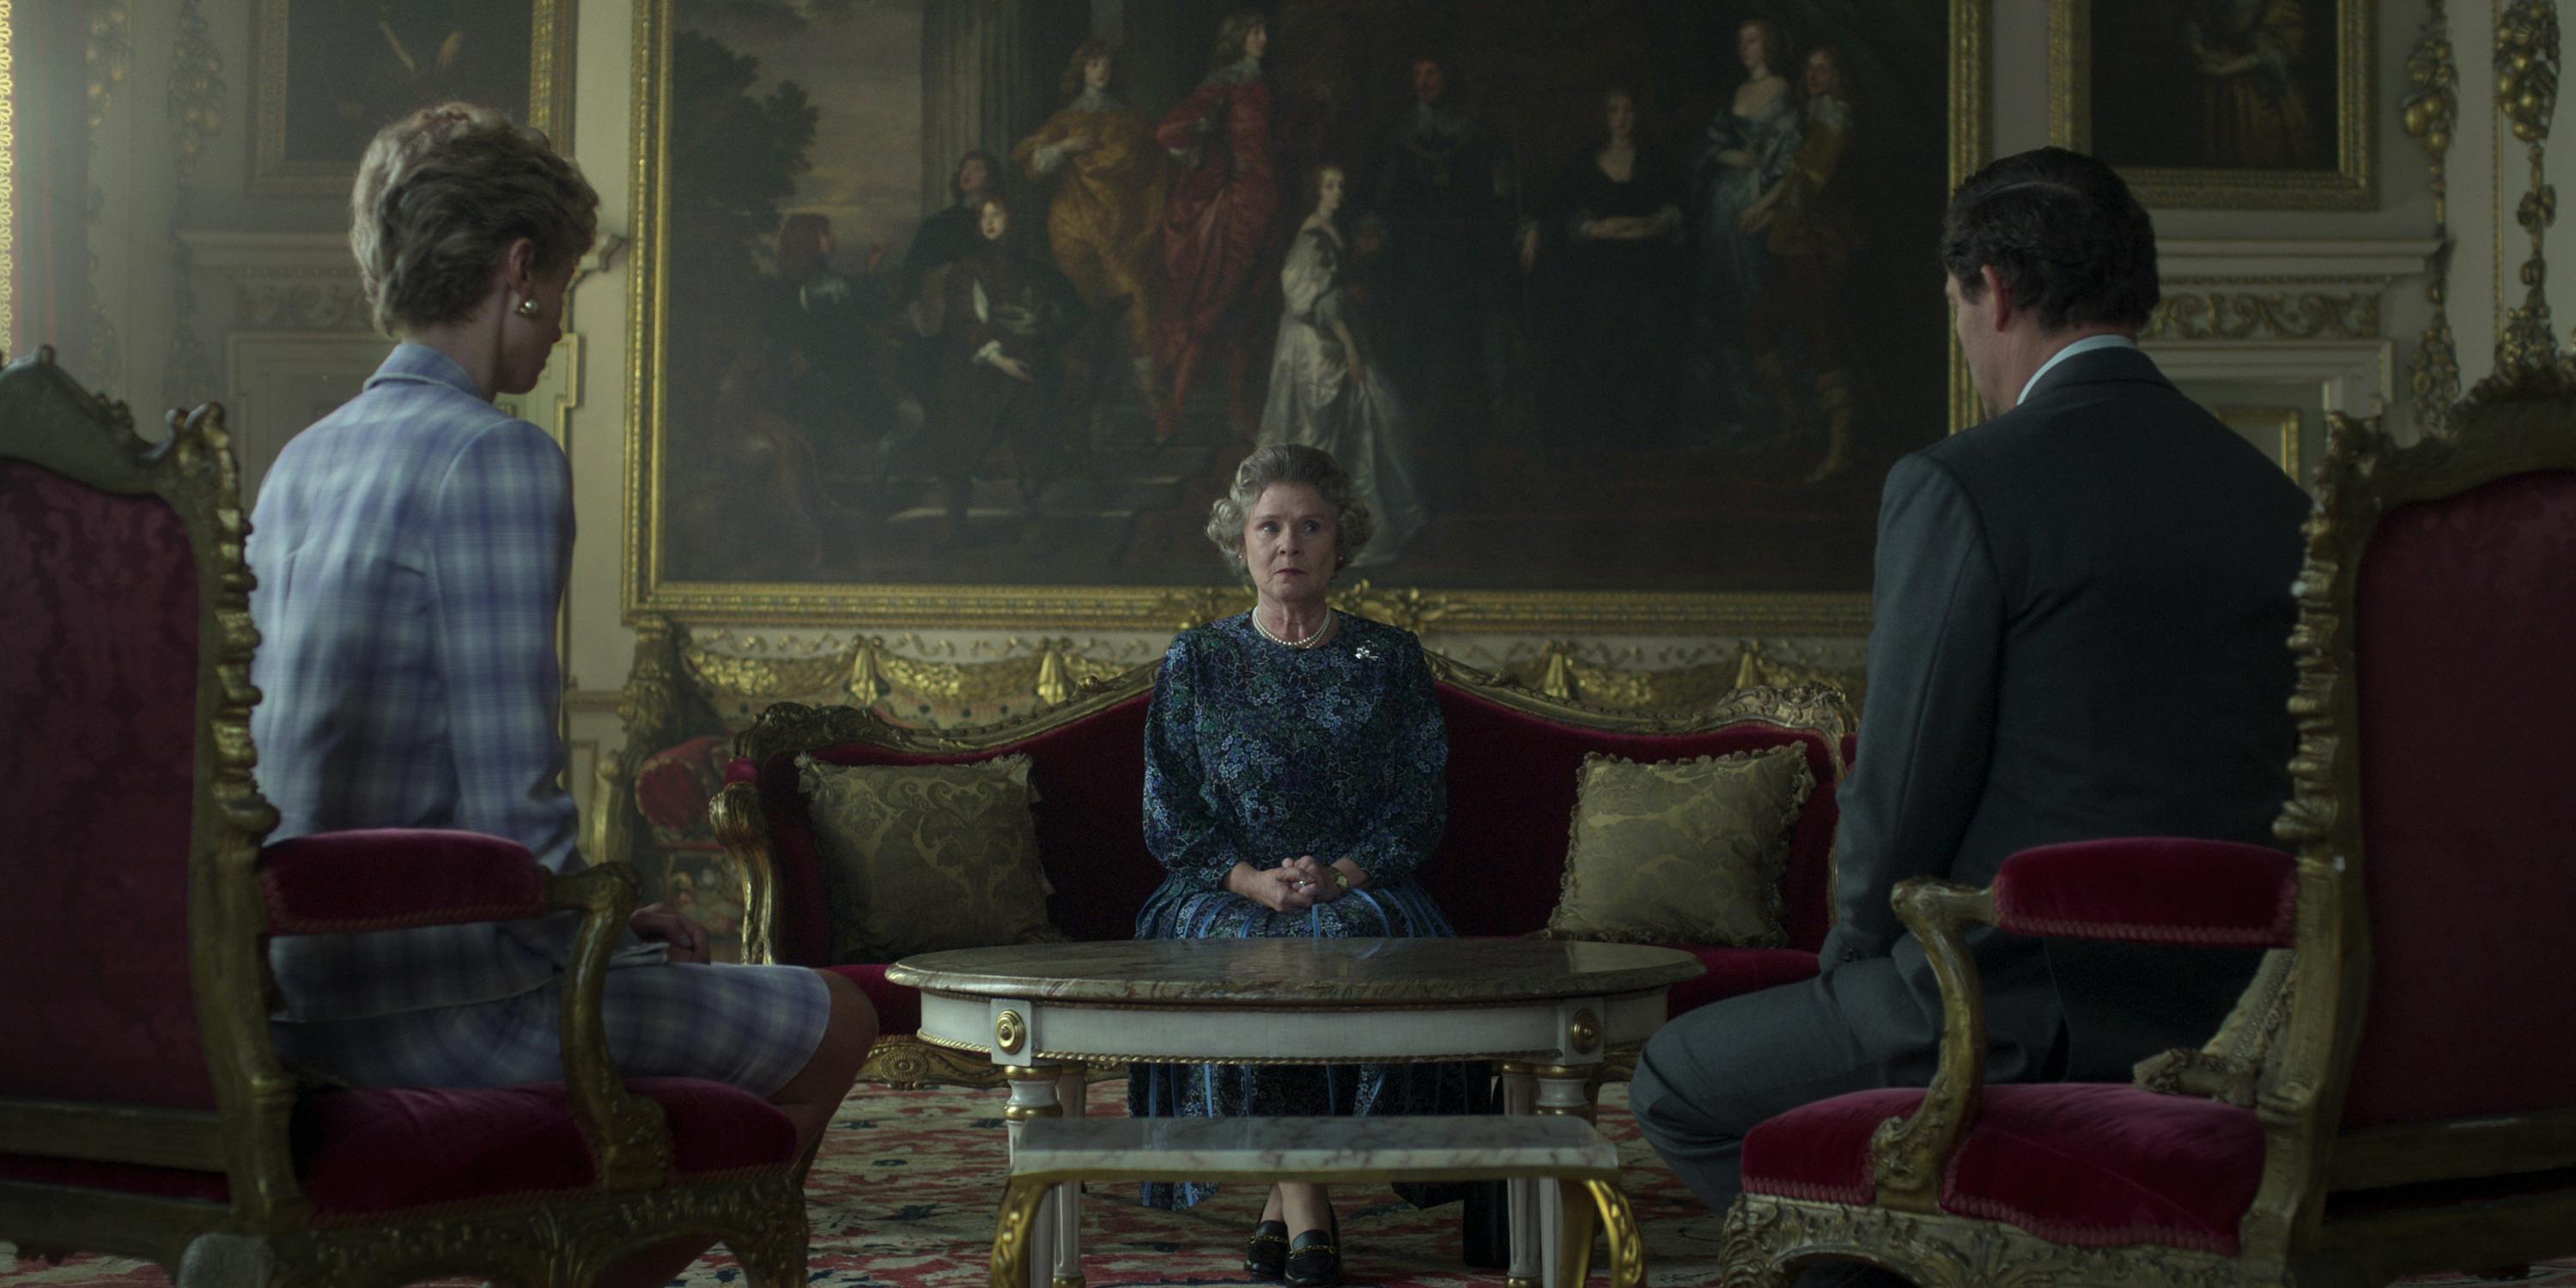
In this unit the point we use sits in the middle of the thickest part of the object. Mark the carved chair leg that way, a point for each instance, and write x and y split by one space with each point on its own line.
770 1262
1743 1259
1627 1243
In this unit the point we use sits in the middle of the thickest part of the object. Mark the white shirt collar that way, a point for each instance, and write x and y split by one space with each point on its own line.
2086 345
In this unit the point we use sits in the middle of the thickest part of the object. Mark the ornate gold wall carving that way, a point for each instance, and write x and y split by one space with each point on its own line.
196 115
687 682
314 302
109 53
2226 315
2430 113
8 178
2526 62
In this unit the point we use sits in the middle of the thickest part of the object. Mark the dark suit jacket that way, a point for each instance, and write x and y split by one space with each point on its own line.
2080 630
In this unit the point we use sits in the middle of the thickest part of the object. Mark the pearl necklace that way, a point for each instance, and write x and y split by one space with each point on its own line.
1309 642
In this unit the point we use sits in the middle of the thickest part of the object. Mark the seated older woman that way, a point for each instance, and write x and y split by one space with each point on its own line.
1295 768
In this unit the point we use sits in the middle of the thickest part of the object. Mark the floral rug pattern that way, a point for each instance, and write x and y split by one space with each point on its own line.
904 1191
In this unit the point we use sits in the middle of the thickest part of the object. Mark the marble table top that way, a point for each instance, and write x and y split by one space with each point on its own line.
1490 1144
1298 972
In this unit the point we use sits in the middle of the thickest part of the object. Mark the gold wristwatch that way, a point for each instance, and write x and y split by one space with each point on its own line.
1341 879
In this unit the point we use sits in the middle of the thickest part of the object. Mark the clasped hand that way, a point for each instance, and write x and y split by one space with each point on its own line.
1293 886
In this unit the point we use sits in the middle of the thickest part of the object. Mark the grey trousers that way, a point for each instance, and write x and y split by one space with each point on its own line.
1705 1079
1708 1077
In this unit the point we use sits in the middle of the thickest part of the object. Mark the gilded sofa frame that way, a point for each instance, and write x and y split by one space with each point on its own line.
268 1235
2520 421
903 1061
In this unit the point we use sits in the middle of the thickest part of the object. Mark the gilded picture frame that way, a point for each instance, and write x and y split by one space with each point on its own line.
2281 91
2276 430
660 471
308 129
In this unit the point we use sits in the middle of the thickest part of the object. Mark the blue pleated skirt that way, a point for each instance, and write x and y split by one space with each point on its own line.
1397 909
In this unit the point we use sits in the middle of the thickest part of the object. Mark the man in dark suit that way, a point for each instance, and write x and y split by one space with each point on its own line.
2080 626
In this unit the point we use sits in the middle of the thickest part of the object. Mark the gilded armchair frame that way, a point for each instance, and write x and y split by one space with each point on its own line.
2520 421
267 1235
903 1061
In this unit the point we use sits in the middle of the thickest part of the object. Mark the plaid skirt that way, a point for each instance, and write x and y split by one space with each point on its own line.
751 1026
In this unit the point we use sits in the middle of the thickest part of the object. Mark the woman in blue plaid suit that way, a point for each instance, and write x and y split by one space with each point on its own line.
411 549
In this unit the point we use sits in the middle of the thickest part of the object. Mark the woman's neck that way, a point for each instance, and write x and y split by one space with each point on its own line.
1295 623
474 344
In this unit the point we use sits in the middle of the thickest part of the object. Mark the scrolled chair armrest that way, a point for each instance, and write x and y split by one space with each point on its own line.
1908 1155
743 827
2148 890
627 1133
357 882
341 883
2152 890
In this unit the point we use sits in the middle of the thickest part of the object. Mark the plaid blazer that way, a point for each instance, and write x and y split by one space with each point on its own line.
411 550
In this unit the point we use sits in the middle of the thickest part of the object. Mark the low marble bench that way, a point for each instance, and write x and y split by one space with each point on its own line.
1053 1152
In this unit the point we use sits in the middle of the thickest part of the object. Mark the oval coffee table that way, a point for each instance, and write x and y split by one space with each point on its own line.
1546 1011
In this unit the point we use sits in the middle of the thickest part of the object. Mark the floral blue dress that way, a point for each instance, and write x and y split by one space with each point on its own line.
1259 753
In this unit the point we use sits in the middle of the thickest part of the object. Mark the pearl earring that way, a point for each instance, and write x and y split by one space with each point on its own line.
528 307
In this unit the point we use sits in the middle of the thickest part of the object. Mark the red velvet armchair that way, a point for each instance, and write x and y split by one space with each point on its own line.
2394 1094
143 1109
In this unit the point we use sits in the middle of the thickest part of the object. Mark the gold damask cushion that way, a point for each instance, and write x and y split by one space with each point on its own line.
917 858
1682 851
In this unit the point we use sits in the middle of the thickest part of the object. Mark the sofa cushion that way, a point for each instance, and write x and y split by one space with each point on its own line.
918 858
1682 851
1511 806
2088 1164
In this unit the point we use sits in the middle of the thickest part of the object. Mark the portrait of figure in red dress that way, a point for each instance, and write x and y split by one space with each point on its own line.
1512 278
1232 142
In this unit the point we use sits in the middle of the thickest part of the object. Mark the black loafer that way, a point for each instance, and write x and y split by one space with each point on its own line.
1315 1258
1267 1256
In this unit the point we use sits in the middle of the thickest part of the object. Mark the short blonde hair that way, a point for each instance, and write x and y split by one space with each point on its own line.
1290 463
440 197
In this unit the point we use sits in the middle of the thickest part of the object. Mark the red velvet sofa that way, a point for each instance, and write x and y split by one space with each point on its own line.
1512 761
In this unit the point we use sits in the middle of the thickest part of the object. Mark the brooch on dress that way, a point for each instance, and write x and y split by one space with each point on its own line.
1364 652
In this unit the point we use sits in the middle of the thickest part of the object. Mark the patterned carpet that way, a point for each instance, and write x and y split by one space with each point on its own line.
903 1197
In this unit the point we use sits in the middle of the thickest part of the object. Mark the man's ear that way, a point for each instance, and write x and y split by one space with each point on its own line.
2001 293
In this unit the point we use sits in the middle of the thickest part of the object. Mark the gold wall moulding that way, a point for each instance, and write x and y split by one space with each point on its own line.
752 519
110 53
2526 64
2431 112
2224 315
331 301
2273 113
8 177
681 680
2275 429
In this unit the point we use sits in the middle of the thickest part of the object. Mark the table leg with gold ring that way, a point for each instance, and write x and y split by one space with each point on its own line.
1563 1152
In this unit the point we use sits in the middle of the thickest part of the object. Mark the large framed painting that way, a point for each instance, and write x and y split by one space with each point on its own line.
2236 104
330 73
962 312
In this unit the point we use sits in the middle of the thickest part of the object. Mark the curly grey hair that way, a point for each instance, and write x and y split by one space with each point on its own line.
1290 463
440 197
